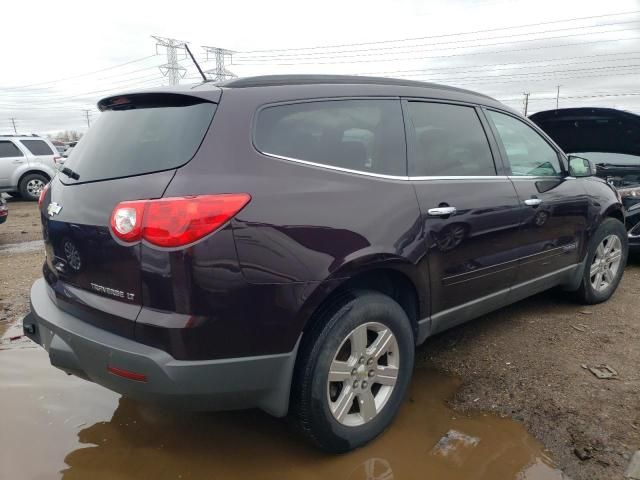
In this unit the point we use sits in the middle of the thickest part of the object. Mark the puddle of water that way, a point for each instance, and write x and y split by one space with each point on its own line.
22 247
53 425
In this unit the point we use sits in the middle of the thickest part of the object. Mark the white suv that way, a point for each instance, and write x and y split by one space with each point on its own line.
27 163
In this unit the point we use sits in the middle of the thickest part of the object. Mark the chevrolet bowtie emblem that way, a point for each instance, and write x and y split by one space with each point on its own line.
53 209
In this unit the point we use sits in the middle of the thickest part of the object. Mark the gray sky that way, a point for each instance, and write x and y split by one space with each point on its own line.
471 44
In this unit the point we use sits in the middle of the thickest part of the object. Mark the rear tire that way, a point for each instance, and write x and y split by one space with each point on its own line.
365 342
31 185
606 260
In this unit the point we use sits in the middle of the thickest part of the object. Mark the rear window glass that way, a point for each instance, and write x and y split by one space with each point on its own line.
363 135
8 149
37 147
138 136
450 141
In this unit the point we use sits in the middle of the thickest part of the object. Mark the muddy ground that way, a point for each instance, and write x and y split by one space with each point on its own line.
18 269
525 361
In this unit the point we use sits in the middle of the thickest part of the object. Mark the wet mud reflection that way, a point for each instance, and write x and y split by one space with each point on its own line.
55 426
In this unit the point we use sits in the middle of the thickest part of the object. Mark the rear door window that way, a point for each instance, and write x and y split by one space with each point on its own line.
141 134
37 147
449 141
362 135
8 149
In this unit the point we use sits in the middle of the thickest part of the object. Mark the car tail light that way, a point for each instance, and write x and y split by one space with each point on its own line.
43 192
57 159
126 220
175 221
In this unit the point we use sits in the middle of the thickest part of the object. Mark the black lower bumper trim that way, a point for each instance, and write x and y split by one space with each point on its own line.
87 351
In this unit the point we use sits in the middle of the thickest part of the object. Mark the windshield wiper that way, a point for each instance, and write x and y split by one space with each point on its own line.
69 173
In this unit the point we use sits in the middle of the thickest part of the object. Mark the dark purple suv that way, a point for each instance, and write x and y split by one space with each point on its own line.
285 242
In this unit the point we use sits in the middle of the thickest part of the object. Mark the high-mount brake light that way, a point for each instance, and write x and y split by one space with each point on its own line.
175 221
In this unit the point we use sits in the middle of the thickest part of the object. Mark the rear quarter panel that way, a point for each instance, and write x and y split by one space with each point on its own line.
304 223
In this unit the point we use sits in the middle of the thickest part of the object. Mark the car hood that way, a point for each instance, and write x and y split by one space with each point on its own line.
592 129
605 131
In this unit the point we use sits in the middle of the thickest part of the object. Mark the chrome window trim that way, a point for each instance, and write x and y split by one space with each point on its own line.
539 177
381 175
460 177
333 167
321 165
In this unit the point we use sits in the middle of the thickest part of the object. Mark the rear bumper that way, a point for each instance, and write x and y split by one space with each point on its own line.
87 351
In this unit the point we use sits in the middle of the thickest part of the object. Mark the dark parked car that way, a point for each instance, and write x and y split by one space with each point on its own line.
284 242
4 210
608 137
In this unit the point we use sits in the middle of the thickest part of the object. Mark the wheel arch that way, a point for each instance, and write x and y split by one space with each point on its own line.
32 172
397 278
614 211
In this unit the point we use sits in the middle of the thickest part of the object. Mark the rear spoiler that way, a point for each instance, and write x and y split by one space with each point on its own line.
155 99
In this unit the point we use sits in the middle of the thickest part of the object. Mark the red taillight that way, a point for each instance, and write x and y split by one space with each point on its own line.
175 221
43 192
126 220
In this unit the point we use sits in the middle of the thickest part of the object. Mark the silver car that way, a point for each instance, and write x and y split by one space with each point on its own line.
27 163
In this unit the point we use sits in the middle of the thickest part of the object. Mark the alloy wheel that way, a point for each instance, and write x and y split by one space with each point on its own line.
606 263
363 374
34 187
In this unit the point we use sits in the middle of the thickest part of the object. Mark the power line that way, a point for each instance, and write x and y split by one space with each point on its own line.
519 63
529 79
425 57
530 74
57 99
42 90
80 75
376 58
45 96
378 51
446 35
575 97
38 105
46 91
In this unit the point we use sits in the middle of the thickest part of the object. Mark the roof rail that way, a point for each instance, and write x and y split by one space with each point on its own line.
19 135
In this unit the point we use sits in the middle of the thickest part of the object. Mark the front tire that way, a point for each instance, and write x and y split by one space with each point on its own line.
606 260
353 372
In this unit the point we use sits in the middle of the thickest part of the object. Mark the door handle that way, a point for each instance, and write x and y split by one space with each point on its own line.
17 161
533 202
441 211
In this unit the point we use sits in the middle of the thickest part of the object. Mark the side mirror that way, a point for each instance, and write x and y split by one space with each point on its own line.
581 167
